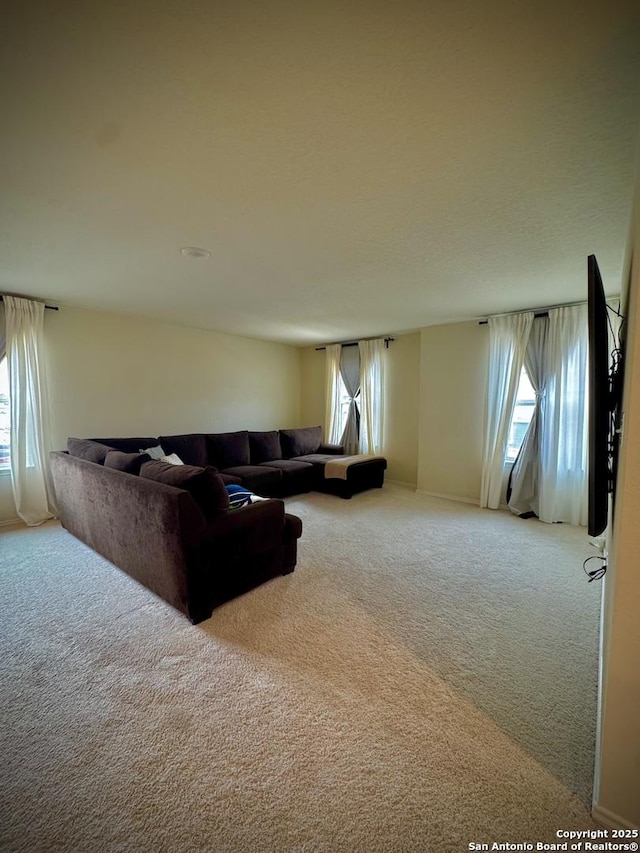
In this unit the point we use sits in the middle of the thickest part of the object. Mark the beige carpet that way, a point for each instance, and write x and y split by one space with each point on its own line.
409 688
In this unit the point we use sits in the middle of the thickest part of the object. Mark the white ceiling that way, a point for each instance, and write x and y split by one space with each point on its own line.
355 167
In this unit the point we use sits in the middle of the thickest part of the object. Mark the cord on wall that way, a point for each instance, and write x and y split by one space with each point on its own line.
595 574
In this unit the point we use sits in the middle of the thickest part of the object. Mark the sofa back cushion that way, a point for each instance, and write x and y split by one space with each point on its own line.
128 445
299 442
192 449
130 463
203 484
87 448
264 446
228 449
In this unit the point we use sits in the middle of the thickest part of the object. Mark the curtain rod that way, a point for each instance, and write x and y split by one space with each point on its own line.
355 343
50 307
538 312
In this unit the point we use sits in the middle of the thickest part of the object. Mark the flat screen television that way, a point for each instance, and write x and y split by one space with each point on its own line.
605 402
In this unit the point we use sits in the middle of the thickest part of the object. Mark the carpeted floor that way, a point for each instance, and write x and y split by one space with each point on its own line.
425 679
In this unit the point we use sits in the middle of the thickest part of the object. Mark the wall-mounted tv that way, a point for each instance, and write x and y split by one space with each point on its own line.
605 401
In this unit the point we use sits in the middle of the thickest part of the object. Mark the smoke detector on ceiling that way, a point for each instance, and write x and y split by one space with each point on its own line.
194 252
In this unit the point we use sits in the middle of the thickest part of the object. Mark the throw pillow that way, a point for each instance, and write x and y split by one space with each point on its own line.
130 463
228 449
264 446
300 442
191 448
203 484
84 448
153 452
239 496
172 459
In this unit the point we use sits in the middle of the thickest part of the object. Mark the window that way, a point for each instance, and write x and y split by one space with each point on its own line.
522 414
4 415
347 368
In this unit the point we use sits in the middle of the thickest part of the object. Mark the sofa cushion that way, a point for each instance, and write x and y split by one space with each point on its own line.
261 479
203 484
296 476
87 448
128 445
298 442
317 459
192 448
228 449
264 446
130 463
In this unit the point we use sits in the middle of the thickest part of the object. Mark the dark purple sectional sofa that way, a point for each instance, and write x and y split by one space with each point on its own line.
268 463
275 463
170 526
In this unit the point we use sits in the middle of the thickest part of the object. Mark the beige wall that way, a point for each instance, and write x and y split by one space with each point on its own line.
113 375
7 505
401 413
618 783
312 387
402 361
453 371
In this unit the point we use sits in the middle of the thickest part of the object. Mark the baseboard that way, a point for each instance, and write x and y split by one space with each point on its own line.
447 497
457 498
404 485
611 820
12 522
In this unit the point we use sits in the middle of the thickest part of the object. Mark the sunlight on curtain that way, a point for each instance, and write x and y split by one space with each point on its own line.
507 347
30 474
371 395
564 421
333 421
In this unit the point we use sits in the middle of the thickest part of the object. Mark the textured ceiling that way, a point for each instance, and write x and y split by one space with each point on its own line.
355 168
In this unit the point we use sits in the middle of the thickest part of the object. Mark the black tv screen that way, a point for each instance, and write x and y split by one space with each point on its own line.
600 403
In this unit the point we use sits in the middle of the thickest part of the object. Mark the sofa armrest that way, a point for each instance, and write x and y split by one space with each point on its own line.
335 449
253 529
292 527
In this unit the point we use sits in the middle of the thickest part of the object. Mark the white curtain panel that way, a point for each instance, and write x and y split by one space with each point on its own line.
564 421
29 411
3 340
333 419
371 395
508 338
525 475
